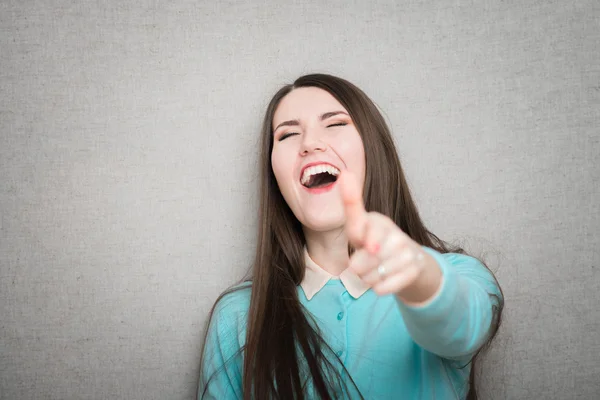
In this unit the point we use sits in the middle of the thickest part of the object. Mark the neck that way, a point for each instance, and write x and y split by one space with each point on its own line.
329 250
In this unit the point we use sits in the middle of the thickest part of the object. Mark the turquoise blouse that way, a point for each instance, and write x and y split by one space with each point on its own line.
390 349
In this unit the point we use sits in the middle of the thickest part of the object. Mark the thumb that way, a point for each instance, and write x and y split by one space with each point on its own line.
356 215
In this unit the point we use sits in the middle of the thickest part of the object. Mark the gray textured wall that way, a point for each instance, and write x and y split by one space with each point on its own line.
128 139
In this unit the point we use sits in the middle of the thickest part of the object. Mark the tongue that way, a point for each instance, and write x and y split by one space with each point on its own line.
320 180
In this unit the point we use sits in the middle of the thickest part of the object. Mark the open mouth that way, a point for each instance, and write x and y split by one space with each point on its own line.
319 176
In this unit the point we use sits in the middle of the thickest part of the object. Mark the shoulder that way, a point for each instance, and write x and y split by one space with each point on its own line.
222 358
461 263
231 308
228 323
467 267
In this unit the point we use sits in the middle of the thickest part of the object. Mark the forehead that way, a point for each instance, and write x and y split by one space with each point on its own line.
305 103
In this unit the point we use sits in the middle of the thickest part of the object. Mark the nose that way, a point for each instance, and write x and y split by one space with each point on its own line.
311 143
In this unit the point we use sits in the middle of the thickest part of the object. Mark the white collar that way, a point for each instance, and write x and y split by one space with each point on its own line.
316 277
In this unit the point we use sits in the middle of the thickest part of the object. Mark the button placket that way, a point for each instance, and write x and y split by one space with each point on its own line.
343 320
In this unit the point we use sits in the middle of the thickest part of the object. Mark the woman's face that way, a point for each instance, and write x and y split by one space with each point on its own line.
314 140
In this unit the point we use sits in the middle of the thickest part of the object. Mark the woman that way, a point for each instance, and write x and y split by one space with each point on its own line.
345 300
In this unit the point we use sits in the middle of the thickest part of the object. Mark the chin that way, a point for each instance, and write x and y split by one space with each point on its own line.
320 224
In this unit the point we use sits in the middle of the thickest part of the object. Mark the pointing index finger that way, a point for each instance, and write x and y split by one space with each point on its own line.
353 207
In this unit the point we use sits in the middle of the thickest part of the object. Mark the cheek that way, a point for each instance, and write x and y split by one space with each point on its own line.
353 153
281 168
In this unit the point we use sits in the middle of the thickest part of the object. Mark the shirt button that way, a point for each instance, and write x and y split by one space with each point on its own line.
339 353
340 316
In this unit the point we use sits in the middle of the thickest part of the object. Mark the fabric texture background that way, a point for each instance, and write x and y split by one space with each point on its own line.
128 153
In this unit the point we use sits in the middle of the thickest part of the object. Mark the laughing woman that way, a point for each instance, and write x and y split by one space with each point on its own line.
350 295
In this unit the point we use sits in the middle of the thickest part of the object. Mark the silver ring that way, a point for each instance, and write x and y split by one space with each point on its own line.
381 271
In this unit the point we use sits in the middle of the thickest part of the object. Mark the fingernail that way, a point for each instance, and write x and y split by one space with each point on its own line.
374 248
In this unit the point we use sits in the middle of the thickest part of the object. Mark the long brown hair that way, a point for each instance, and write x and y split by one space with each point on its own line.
283 343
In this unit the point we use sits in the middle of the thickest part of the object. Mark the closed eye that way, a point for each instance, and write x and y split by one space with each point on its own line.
287 135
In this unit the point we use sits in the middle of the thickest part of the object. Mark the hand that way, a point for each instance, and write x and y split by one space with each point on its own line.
386 258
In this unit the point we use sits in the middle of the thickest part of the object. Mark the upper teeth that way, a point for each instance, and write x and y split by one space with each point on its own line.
318 169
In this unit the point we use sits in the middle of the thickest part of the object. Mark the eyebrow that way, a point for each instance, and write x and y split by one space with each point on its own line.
295 122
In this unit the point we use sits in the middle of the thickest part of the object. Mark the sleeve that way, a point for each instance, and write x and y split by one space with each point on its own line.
222 360
457 321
